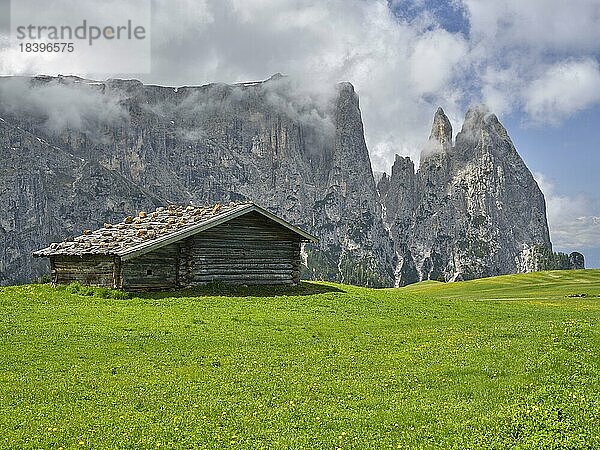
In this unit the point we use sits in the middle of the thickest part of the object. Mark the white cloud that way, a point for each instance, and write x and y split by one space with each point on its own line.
435 59
535 25
515 56
66 104
15 62
574 220
402 71
537 56
564 89
101 55
496 83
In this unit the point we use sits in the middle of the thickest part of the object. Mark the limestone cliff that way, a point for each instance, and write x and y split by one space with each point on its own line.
472 209
79 153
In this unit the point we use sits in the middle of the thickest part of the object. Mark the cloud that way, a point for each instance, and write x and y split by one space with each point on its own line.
574 220
534 26
362 42
51 24
401 69
61 104
434 60
403 62
537 57
565 88
15 62
496 84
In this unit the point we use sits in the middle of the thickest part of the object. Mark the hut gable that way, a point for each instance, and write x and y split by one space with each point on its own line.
179 246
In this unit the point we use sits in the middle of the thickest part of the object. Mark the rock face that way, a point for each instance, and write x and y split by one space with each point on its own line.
77 154
471 210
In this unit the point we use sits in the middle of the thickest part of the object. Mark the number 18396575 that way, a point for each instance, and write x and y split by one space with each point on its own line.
43 47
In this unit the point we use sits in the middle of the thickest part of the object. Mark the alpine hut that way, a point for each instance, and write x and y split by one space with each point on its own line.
182 246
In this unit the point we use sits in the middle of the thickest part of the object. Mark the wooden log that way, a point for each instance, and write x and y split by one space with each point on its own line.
250 272
243 277
243 245
241 266
224 260
81 267
238 282
247 252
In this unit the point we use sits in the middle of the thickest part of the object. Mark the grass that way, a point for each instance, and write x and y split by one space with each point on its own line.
496 363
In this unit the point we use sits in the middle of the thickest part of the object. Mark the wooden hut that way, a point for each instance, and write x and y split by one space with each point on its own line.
183 246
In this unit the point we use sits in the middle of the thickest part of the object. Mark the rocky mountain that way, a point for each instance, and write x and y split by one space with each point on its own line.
471 210
77 153
48 194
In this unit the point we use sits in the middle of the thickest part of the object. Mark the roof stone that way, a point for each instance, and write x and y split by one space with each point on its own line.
145 227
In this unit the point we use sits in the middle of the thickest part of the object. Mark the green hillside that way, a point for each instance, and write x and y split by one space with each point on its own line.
493 363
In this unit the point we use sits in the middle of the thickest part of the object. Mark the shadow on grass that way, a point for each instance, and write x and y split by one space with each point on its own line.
223 290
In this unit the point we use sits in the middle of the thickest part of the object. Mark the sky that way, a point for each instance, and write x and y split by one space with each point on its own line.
534 63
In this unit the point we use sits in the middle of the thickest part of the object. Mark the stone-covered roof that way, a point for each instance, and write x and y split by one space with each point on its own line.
149 228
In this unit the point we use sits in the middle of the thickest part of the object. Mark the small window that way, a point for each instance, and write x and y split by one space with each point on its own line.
149 272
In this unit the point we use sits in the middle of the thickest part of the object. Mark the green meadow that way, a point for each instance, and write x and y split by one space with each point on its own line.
505 362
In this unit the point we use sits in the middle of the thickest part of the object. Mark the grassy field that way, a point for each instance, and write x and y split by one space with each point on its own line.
497 363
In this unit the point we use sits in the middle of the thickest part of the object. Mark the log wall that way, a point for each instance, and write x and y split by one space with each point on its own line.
157 270
248 250
87 270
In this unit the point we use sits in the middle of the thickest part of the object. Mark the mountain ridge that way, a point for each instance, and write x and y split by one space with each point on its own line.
127 146
471 210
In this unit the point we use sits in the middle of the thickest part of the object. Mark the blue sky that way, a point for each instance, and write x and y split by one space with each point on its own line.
534 63
452 16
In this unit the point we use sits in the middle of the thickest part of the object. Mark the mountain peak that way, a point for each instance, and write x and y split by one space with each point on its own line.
276 76
471 208
346 86
477 116
477 119
441 130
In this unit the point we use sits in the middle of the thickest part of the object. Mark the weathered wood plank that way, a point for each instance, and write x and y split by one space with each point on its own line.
243 266
249 252
154 270
242 277
88 270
